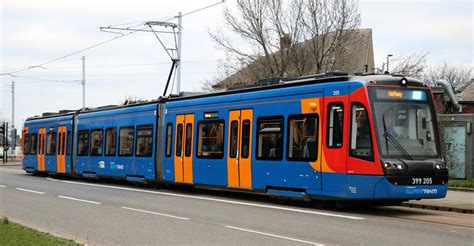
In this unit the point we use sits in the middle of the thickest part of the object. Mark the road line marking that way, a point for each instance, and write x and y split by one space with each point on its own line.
32 191
79 200
3 186
220 200
51 179
155 213
273 235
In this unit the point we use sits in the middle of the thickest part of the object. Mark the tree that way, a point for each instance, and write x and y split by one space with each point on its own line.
275 29
457 75
412 65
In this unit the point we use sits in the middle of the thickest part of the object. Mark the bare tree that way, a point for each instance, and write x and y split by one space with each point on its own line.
412 65
275 30
457 75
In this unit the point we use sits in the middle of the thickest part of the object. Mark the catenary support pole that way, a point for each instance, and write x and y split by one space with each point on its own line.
180 36
83 82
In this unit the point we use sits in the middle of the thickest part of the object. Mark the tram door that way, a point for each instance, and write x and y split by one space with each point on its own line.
61 155
41 148
183 159
239 166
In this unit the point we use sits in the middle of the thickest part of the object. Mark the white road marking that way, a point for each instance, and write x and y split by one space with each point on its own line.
160 214
273 235
51 179
3 186
219 200
79 200
32 191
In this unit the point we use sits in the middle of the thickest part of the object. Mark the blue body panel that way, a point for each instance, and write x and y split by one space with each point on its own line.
30 161
118 166
265 173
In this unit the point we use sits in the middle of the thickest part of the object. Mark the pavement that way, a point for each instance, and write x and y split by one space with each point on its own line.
115 213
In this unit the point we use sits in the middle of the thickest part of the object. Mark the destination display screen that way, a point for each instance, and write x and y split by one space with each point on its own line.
395 94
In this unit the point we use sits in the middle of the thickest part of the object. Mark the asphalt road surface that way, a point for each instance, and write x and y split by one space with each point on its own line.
115 213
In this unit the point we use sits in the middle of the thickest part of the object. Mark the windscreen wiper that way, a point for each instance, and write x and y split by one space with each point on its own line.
397 145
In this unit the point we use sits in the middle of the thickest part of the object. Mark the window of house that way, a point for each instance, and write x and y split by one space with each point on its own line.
210 139
303 137
270 138
144 140
335 125
34 143
110 141
126 141
169 138
96 142
26 144
83 143
179 140
361 140
51 143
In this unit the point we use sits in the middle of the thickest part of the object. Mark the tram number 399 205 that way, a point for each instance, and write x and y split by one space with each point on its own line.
416 181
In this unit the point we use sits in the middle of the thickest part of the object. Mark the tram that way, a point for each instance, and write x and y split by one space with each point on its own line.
329 136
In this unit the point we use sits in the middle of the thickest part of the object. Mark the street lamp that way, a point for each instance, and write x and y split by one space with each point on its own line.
388 57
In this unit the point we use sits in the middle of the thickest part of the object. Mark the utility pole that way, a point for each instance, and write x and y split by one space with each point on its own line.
13 104
388 57
83 82
180 36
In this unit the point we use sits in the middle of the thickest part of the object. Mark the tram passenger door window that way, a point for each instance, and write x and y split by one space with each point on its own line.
60 157
239 166
183 159
41 147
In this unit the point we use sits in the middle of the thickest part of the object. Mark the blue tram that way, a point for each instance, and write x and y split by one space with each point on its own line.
371 137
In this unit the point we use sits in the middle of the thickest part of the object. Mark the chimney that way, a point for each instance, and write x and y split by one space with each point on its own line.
285 41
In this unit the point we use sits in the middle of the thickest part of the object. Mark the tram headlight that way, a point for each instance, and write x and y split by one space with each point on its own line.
400 167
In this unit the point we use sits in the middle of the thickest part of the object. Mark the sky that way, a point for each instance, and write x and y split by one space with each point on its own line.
136 66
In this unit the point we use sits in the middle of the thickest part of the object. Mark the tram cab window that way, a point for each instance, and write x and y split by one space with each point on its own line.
26 144
83 143
51 143
335 125
361 140
34 143
126 141
270 138
96 142
303 137
144 140
210 142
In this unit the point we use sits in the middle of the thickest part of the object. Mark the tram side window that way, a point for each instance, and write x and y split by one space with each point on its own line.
361 141
110 141
169 138
303 137
210 139
335 125
34 143
245 139
126 141
51 143
144 140
26 144
96 142
270 139
68 143
83 143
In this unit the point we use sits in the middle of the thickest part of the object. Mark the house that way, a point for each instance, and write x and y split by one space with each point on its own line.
355 56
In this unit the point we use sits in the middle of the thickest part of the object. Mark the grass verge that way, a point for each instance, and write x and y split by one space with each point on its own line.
466 183
16 234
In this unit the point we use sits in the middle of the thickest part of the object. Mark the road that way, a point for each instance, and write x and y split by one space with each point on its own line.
121 214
